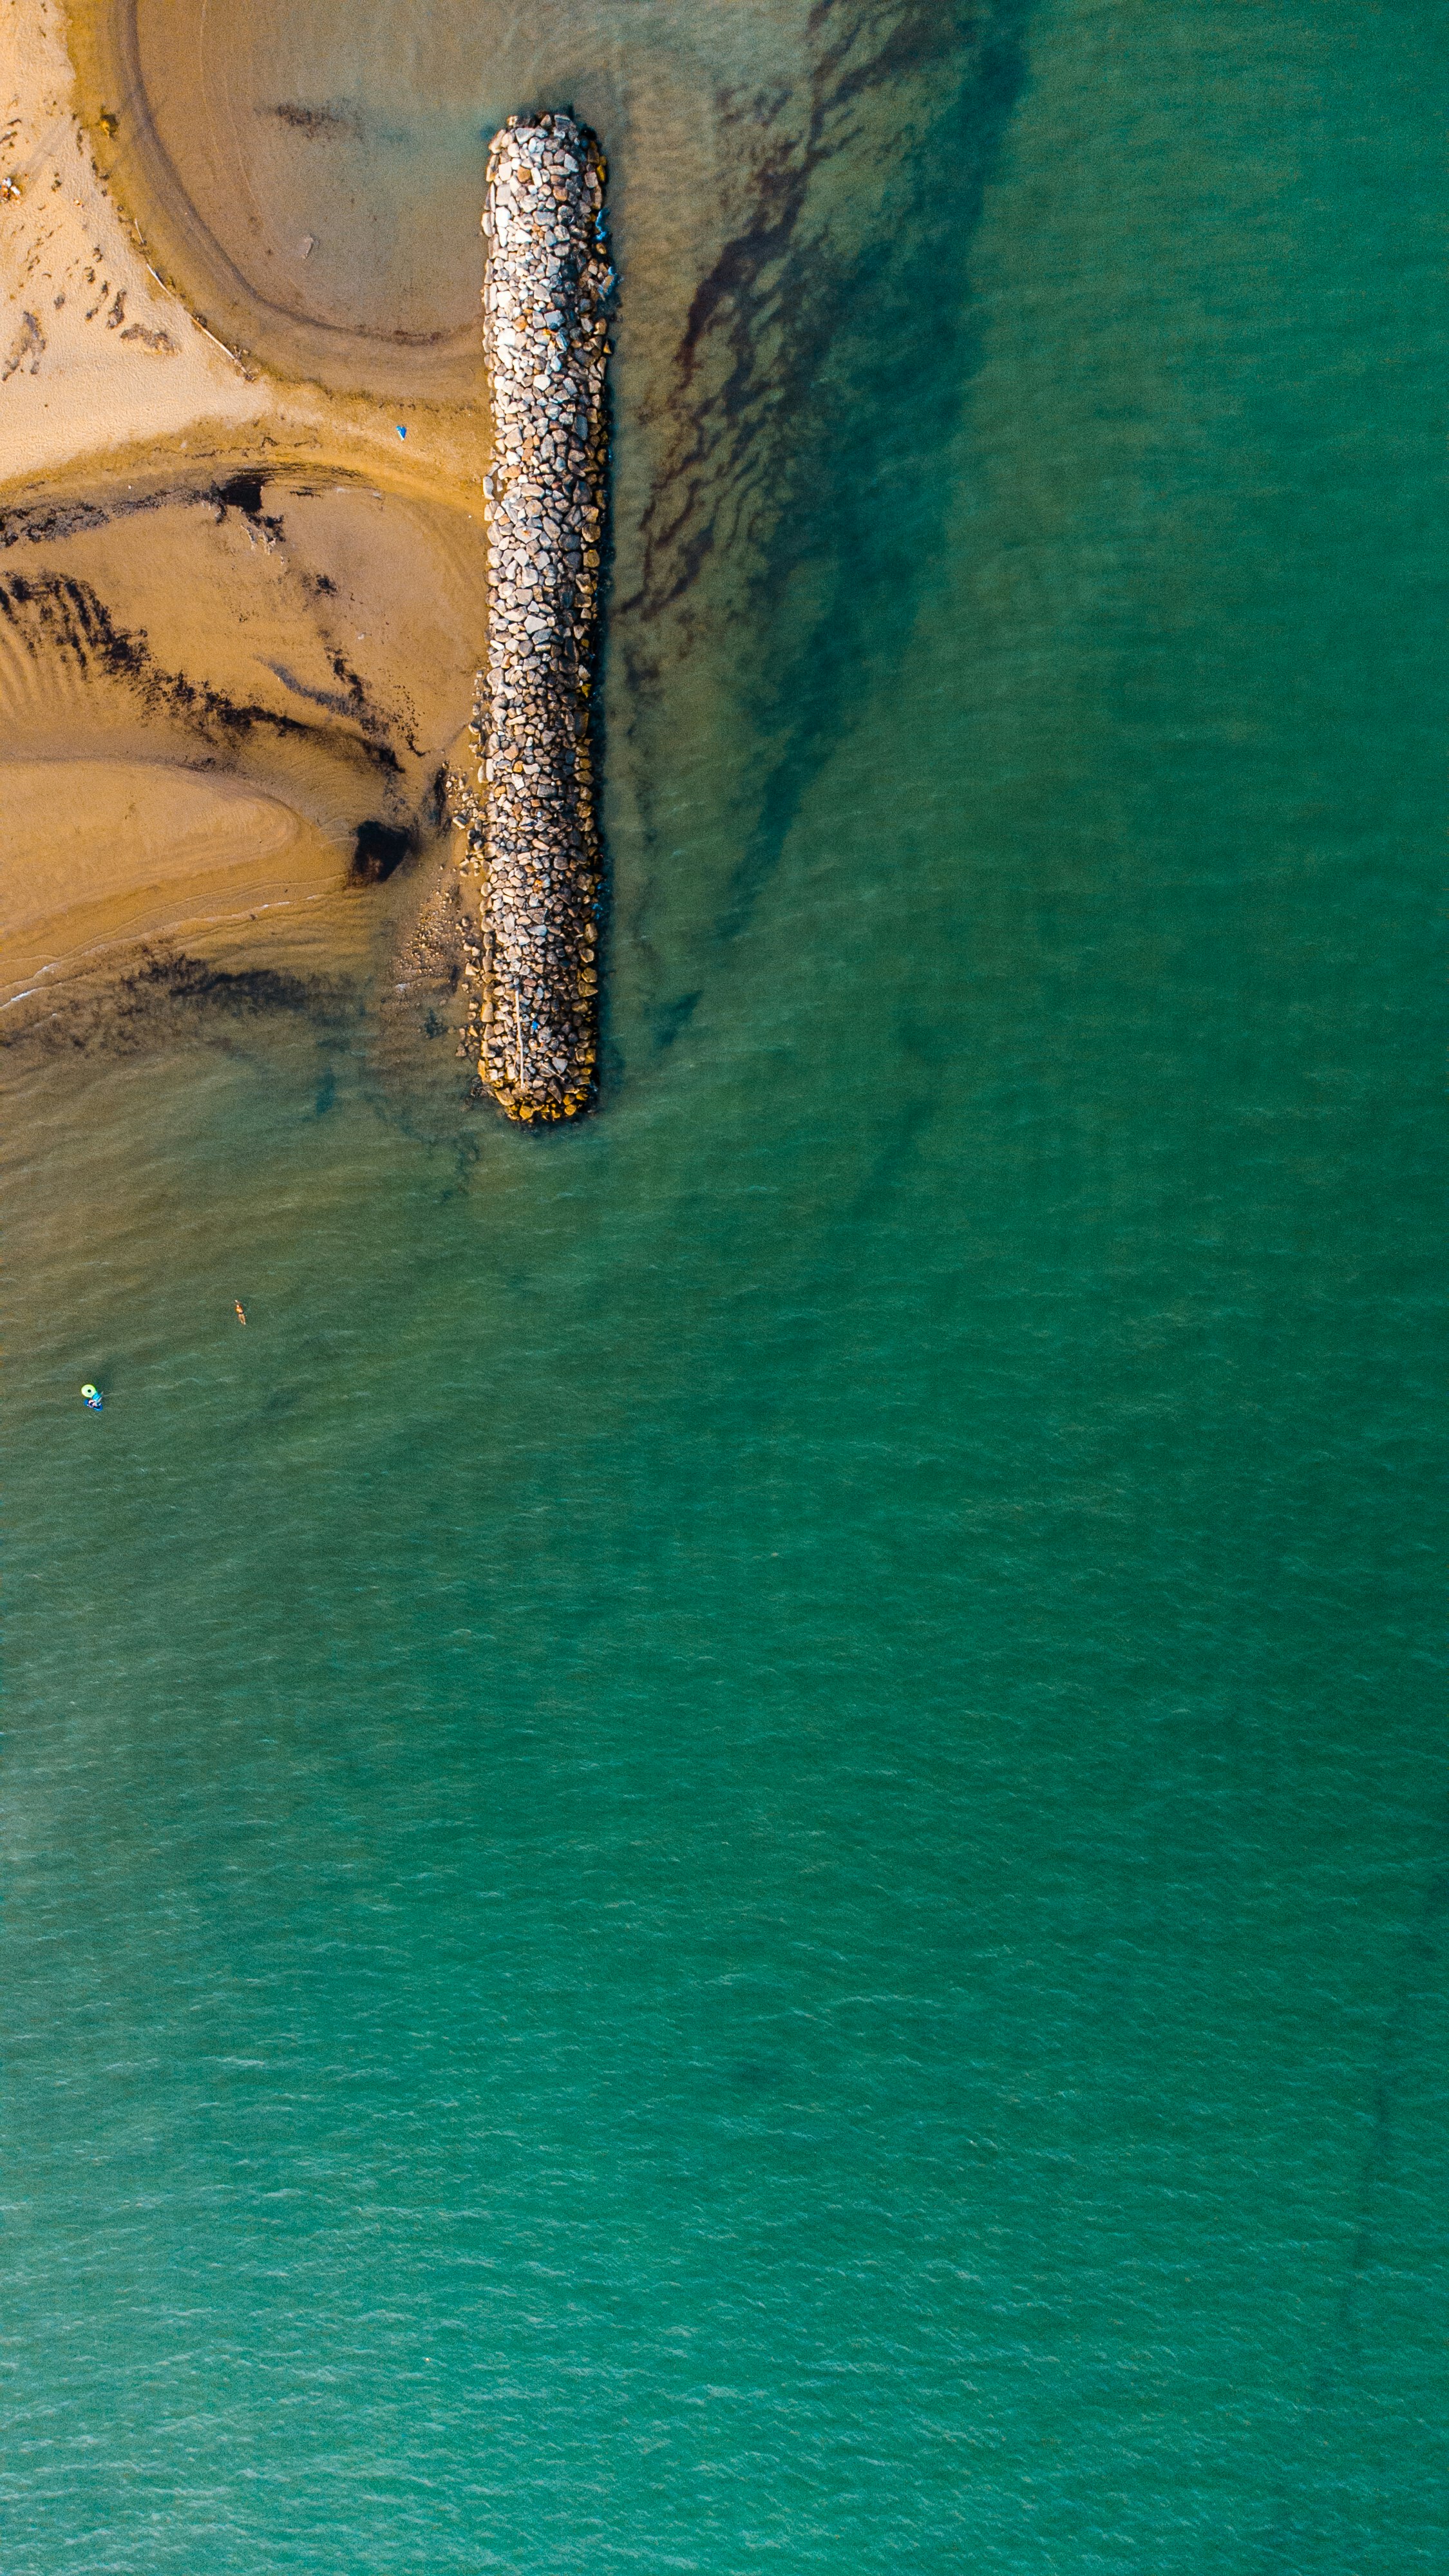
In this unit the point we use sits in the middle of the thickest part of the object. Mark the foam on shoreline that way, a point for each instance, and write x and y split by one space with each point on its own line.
531 827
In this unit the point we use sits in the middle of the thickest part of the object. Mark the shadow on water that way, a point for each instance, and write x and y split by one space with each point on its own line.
818 378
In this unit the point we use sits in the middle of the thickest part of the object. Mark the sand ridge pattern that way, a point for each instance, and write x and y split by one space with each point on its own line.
311 642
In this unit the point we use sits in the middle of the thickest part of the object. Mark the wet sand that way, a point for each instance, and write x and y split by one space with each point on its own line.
294 651
102 853
243 424
226 670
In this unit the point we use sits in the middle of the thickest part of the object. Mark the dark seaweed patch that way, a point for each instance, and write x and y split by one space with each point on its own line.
379 850
40 521
314 121
674 1017
38 525
166 993
351 704
66 617
242 492
818 377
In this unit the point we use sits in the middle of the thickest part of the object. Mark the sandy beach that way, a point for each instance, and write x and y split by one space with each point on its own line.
239 611
244 429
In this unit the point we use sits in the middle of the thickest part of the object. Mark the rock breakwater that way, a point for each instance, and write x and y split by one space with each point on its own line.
532 834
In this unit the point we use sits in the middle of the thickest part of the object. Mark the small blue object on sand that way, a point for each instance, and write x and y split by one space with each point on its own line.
402 433
93 1397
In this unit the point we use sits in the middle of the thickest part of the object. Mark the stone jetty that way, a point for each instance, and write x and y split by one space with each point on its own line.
532 835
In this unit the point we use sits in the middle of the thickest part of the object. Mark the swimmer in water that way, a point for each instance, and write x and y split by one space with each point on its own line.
93 1398
241 1312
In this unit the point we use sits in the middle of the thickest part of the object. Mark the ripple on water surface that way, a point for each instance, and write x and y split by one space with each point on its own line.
731 1849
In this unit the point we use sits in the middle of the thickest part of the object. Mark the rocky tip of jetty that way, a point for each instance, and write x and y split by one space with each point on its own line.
531 831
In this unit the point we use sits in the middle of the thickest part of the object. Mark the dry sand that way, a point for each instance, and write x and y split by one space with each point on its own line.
239 617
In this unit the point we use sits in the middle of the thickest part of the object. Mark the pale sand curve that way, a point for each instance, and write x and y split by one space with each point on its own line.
99 854
131 375
188 150
94 355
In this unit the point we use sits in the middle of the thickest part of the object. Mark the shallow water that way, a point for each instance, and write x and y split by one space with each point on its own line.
733 1849
328 159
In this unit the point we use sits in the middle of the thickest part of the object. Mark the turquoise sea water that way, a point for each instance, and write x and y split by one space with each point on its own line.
734 1851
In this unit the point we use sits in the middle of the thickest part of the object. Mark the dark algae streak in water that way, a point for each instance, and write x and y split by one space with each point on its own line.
818 373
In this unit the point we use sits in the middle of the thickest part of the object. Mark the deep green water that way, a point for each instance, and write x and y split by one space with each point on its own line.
735 1850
